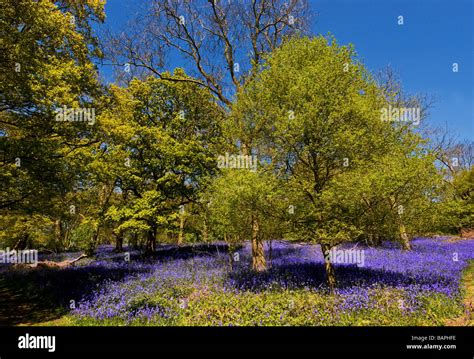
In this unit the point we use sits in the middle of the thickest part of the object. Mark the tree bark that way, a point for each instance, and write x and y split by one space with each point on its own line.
401 227
22 242
403 234
58 232
330 272
258 256
134 240
65 263
181 230
205 233
270 254
92 245
151 241
404 237
119 242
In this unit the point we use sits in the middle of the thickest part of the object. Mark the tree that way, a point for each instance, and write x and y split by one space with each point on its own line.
224 41
160 138
456 210
45 64
318 115
393 196
247 205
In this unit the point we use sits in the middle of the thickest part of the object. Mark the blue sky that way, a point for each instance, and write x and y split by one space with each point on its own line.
435 34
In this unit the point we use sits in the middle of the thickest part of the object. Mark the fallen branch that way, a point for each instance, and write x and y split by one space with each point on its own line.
62 264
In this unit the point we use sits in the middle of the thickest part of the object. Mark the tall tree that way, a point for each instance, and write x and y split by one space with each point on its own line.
247 205
46 52
318 116
223 41
161 137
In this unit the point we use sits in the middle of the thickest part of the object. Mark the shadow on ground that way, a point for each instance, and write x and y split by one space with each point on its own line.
31 296
312 275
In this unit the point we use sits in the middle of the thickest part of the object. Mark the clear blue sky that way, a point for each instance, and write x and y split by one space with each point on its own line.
435 34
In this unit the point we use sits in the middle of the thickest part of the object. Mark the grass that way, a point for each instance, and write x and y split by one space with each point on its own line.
182 303
288 309
467 318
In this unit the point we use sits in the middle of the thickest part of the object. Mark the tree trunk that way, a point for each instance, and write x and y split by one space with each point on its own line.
370 238
119 242
205 233
378 239
22 242
181 230
134 240
258 256
404 237
403 234
330 272
270 254
401 226
92 245
151 241
52 264
58 233
67 239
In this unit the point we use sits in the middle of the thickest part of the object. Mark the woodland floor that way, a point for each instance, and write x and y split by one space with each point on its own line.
23 303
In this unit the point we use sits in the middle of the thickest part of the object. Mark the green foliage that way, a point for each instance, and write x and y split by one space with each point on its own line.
81 236
464 199
456 209
330 170
25 231
317 115
46 64
284 308
236 197
160 142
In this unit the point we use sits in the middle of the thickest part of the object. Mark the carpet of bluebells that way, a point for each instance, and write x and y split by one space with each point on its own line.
204 285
